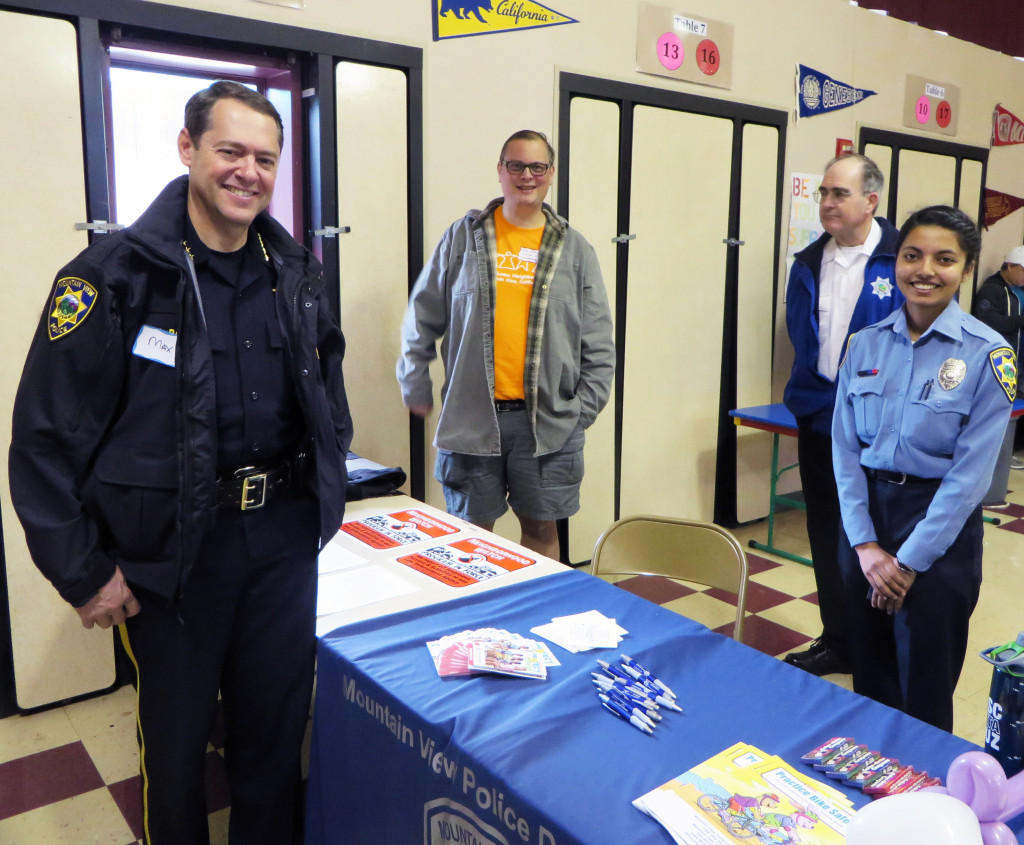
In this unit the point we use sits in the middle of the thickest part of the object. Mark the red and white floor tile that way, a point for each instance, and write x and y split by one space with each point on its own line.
70 775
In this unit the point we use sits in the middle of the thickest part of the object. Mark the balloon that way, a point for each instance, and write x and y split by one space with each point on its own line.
916 818
977 779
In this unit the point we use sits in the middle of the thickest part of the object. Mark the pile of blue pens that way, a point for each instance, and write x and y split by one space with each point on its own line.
633 693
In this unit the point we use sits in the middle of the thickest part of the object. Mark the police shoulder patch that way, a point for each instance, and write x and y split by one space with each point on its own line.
1004 365
73 299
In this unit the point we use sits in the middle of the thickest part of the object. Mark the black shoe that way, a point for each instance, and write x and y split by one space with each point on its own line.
819 660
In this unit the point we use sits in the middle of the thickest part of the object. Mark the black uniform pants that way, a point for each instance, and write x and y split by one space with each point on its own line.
912 660
814 452
245 627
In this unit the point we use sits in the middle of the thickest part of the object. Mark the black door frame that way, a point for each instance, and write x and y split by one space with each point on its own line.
627 96
897 142
319 53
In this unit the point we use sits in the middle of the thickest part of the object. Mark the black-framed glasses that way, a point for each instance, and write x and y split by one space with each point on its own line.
537 168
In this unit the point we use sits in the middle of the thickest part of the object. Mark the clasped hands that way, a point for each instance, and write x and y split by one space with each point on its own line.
111 605
889 583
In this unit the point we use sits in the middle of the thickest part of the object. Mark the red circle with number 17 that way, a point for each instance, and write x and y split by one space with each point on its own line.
709 60
943 114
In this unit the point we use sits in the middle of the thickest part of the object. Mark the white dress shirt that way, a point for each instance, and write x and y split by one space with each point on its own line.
841 282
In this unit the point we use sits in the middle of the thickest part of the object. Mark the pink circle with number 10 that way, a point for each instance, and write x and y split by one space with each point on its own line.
670 51
923 109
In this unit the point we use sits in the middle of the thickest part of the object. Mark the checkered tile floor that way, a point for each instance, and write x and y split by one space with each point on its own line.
70 775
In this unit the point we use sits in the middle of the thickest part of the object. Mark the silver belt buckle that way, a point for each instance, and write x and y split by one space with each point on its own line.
254 489
903 478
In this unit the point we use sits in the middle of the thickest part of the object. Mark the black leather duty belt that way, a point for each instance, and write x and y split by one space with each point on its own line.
250 488
509 404
896 477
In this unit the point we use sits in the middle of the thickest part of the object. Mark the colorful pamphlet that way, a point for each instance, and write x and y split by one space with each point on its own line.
490 650
743 794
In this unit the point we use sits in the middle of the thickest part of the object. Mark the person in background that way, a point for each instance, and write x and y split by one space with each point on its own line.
178 457
999 303
517 296
924 397
839 284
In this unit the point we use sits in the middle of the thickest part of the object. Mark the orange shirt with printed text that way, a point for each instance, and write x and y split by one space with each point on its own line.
516 265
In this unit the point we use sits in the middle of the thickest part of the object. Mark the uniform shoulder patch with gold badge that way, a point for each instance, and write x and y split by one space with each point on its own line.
1004 365
73 299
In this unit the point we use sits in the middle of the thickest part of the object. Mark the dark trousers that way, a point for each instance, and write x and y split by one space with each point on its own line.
245 627
912 660
814 451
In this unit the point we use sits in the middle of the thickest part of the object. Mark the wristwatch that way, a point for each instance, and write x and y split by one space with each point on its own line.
904 568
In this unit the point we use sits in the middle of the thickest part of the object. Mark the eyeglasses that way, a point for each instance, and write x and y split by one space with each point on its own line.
537 168
839 195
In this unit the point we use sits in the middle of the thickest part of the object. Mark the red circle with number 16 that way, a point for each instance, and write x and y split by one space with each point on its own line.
708 57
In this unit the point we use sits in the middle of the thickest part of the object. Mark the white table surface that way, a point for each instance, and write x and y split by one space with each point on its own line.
370 586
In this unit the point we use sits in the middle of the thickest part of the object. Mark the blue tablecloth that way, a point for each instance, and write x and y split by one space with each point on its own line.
401 756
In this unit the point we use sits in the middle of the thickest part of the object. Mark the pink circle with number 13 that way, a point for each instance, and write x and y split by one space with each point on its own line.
670 51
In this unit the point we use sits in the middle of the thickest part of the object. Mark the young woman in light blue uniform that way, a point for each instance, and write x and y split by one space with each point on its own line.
924 397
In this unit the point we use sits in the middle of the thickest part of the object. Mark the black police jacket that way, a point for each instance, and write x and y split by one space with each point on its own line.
113 456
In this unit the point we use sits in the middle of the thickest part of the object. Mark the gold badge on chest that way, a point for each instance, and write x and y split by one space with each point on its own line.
951 373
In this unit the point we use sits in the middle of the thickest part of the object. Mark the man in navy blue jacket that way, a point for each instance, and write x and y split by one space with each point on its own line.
841 283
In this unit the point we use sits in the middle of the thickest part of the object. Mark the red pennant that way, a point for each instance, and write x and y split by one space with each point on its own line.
998 205
1007 128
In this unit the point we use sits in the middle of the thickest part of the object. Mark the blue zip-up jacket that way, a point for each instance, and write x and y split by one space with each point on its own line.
809 394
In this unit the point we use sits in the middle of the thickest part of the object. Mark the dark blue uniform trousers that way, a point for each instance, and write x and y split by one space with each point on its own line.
912 660
821 498
245 626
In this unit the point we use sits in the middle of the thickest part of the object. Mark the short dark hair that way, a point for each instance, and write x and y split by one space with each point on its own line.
200 104
872 180
956 221
529 135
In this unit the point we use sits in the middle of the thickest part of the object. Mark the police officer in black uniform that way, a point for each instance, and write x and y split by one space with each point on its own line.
178 459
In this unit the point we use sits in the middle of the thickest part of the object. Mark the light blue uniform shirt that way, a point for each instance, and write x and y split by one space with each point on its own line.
902 419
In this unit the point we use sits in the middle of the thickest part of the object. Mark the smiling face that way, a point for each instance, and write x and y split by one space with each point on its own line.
524 193
232 169
847 220
930 267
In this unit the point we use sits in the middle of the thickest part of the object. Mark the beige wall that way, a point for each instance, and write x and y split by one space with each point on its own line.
479 89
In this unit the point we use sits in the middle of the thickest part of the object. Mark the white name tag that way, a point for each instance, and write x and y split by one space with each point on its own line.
530 255
156 345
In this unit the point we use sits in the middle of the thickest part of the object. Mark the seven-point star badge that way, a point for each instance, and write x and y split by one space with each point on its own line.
881 287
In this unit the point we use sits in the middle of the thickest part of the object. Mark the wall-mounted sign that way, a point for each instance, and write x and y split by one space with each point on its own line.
804 221
931 105
1007 128
817 93
461 18
998 205
693 48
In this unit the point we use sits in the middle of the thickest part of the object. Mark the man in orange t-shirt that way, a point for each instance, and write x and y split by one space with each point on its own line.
518 298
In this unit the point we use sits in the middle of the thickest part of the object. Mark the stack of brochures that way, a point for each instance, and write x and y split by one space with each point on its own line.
582 631
743 793
490 650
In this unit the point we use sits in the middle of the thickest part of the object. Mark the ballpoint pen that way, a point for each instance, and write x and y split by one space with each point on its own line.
619 711
630 662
